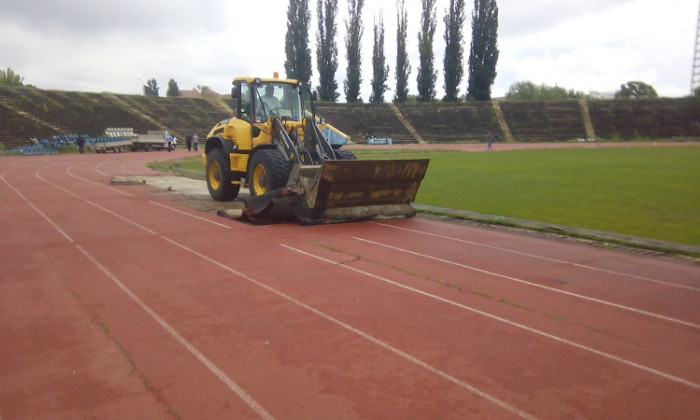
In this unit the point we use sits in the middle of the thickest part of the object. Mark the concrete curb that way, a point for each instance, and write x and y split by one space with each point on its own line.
630 241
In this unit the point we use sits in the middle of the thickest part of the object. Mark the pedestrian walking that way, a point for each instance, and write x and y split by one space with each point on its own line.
169 139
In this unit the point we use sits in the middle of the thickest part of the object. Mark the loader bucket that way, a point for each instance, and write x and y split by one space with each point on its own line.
348 190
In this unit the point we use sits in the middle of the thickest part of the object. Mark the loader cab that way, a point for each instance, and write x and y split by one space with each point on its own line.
257 100
277 99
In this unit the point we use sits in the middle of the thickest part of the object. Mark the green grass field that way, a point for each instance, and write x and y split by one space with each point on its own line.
649 192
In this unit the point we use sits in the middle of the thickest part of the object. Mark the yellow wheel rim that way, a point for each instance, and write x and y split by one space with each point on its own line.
259 176
215 175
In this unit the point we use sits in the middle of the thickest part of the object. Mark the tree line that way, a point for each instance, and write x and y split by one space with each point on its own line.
481 69
482 60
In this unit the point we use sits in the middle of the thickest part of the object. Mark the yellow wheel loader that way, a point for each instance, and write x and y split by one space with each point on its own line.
274 143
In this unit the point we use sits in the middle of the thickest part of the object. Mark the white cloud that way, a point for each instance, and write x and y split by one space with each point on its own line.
109 45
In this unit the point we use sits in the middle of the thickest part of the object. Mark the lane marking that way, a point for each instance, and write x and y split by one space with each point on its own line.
506 321
49 221
357 331
541 286
68 171
541 257
117 215
60 187
120 216
233 386
190 215
97 169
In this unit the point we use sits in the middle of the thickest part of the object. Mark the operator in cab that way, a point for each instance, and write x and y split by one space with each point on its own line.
270 99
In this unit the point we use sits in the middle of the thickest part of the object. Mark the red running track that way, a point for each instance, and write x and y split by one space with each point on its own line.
119 302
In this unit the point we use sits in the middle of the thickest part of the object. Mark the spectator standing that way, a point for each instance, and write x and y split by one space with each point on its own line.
195 141
81 144
188 143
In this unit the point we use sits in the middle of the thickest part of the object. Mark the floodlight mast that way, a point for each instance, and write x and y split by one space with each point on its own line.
695 80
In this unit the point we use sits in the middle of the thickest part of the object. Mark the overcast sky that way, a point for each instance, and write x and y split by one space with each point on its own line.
116 45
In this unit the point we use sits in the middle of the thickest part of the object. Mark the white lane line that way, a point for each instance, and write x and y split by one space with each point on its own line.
119 216
128 171
93 203
506 321
60 187
49 221
97 169
541 257
190 215
129 195
541 286
359 332
68 171
233 386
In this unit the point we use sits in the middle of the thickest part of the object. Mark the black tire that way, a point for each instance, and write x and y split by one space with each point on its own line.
268 170
345 155
219 176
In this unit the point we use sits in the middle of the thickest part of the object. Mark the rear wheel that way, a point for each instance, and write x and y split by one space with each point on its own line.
268 170
219 176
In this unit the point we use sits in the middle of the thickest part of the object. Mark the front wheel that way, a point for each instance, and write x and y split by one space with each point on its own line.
269 169
219 177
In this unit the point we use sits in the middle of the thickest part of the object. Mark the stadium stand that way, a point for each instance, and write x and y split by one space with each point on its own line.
450 122
544 121
362 121
180 116
646 118
27 112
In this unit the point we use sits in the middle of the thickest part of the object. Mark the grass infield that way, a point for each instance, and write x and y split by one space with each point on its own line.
649 192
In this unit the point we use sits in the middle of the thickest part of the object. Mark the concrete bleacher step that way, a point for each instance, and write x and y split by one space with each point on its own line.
30 112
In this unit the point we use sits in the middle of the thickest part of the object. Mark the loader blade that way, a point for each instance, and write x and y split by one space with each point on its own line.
347 190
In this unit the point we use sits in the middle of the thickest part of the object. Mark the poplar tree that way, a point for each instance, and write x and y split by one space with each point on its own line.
173 89
454 52
327 50
380 68
427 76
353 44
403 68
297 64
483 55
151 88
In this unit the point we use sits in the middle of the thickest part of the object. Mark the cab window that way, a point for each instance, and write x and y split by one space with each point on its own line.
244 102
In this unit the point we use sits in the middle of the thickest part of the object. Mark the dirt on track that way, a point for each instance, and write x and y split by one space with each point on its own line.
118 301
